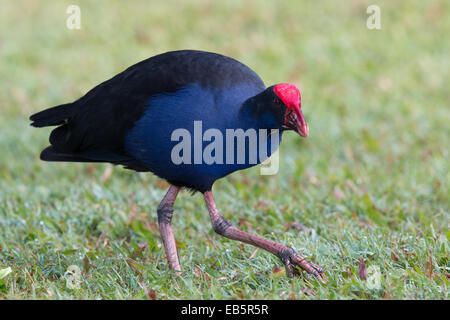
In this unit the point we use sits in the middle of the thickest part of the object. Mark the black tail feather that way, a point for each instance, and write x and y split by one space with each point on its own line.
53 116
50 154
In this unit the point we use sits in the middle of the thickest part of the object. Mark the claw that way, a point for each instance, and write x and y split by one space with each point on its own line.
291 270
292 260
322 278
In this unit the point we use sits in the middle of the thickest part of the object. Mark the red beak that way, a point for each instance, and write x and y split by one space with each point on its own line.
294 120
301 127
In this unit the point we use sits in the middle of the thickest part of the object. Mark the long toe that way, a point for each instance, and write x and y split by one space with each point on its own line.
296 260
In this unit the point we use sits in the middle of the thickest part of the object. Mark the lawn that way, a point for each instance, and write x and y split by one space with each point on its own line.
371 181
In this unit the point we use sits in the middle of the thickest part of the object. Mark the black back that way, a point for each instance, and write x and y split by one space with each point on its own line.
93 128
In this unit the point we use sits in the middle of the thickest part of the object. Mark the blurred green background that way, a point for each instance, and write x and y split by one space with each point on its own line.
370 182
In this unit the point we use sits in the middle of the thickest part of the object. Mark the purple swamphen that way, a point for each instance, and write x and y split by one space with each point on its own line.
134 119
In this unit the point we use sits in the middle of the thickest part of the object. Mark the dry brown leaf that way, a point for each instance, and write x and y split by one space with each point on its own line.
86 264
107 173
253 254
430 267
199 274
101 239
153 294
362 271
346 272
297 226
394 257
278 271
142 247
89 169
149 294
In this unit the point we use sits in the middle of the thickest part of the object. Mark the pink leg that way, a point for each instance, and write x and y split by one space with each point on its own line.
165 212
288 256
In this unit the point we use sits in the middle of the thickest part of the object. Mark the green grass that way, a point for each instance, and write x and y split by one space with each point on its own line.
371 181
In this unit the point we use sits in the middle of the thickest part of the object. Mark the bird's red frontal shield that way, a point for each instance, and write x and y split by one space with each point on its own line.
294 119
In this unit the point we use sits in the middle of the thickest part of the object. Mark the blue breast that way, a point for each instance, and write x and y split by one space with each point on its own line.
150 140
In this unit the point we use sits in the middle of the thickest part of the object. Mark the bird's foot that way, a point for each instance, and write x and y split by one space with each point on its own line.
292 260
